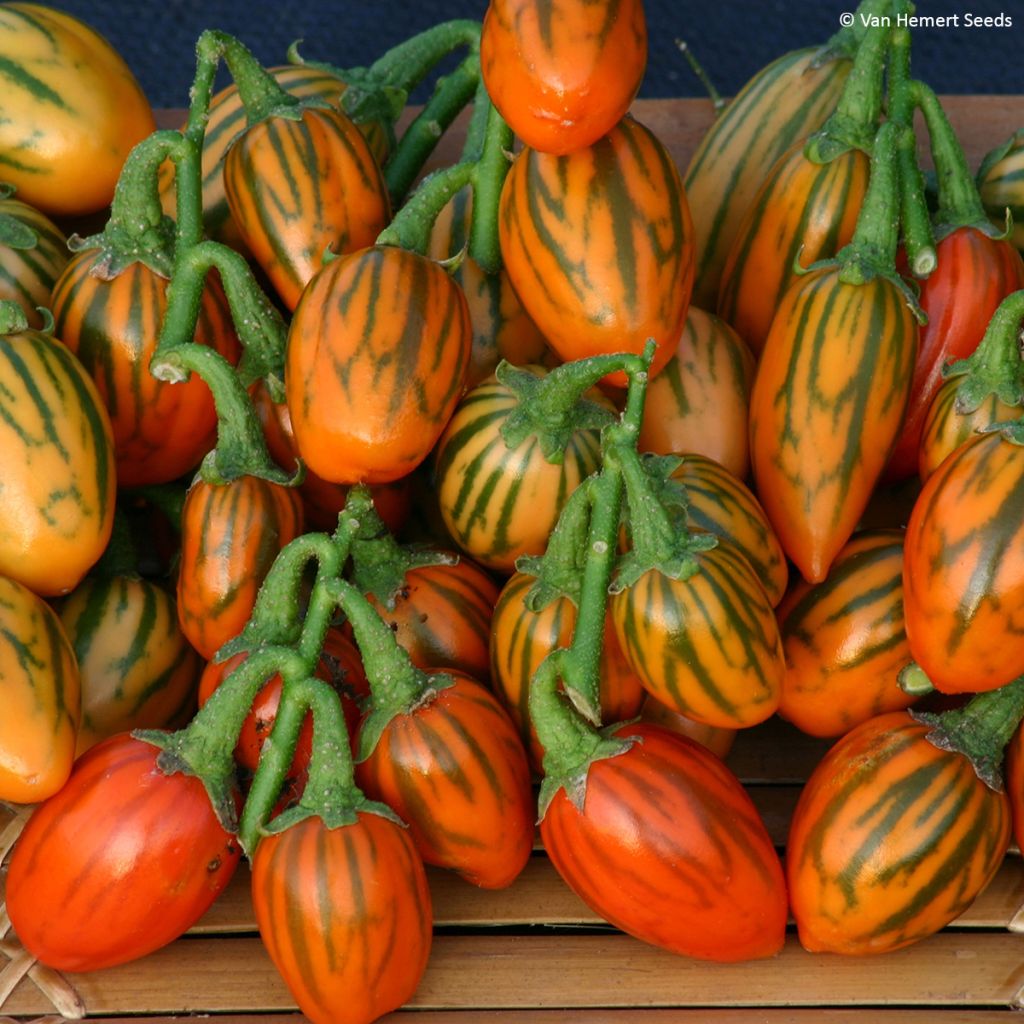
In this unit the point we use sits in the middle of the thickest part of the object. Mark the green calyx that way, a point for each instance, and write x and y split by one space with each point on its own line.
12 317
16 234
980 730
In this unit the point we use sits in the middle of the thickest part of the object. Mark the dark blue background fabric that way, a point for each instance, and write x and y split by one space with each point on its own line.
732 38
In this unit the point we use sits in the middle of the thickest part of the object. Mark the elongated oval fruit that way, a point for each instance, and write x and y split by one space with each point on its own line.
891 840
137 669
802 213
599 245
963 578
707 646
827 406
345 915
845 640
72 110
376 360
161 430
669 847
57 477
782 103
1001 187
700 400
562 73
298 187
41 697
33 252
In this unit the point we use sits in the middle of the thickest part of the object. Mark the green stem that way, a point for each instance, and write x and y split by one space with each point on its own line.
855 120
488 178
846 41
981 729
410 229
718 101
407 64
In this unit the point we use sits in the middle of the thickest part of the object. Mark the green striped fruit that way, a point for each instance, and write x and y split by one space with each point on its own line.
138 671
891 840
499 503
33 251
41 697
699 402
1001 187
782 103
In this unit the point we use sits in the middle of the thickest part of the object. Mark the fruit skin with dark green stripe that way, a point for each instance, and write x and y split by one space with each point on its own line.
72 110
1001 187
963 575
782 103
892 839
138 670
454 769
56 465
669 848
497 502
33 252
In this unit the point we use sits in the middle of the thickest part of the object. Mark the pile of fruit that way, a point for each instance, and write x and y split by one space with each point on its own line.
353 520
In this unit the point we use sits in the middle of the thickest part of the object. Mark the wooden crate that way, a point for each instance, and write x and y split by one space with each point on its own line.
534 954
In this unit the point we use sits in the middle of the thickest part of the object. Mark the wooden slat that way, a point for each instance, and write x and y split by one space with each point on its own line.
568 971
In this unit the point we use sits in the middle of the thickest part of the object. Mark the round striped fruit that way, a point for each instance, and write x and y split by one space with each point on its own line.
72 110
33 252
891 840
599 245
1001 187
41 697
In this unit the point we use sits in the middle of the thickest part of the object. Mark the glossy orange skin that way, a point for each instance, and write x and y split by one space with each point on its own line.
161 430
454 769
41 697
27 275
699 401
521 639
669 848
845 640
345 915
599 245
563 73
707 646
121 861
230 536
1014 781
64 141
891 840
56 466
719 741
377 355
973 276
298 187
803 212
502 329
963 574
826 409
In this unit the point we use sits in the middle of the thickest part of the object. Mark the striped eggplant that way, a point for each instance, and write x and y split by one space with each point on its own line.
963 574
521 639
161 430
707 646
973 276
41 697
599 245
563 73
501 327
699 402
711 737
845 640
781 104
499 503
826 409
1001 186
892 839
137 669
946 428
33 252
345 915
298 187
377 355
227 121
720 503
230 535
803 212
121 861
669 847
57 479
72 110
453 768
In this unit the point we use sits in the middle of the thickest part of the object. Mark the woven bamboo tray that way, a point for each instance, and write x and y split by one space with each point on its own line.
534 954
